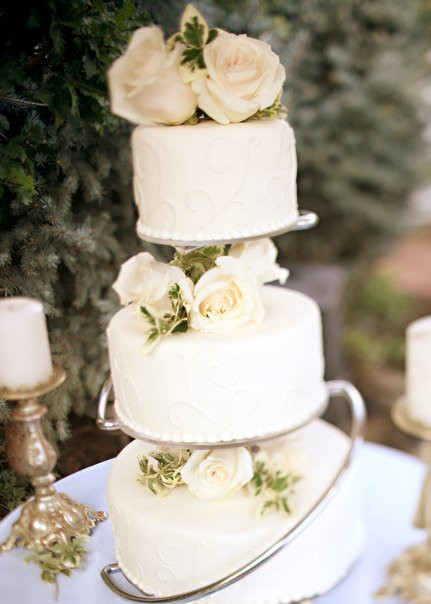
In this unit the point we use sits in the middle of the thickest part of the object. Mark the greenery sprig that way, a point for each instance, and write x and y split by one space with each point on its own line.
275 487
161 470
194 34
161 473
60 559
197 262
276 111
171 322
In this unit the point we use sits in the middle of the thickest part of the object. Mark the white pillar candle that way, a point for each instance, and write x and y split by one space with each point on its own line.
25 357
418 371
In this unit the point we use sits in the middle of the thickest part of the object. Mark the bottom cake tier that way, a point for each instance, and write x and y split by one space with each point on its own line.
178 543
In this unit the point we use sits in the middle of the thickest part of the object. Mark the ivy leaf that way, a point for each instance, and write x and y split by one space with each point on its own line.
164 475
171 322
182 327
197 262
212 35
275 487
194 33
194 28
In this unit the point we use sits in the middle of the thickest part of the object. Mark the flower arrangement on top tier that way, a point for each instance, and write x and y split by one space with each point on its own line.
211 289
269 475
199 73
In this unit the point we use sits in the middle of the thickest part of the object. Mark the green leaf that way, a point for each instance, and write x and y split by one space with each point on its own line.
165 474
150 318
4 122
197 262
192 120
182 327
193 33
194 57
212 35
18 176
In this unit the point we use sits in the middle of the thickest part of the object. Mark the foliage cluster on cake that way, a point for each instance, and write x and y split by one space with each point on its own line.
212 289
269 474
199 73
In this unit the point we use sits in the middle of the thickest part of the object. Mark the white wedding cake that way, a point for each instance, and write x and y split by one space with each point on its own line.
226 183
203 351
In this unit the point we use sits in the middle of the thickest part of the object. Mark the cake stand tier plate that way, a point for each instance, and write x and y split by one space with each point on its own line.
334 388
305 220
357 410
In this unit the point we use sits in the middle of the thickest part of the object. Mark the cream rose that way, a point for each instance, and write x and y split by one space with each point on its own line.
260 256
144 280
225 297
218 473
243 76
145 83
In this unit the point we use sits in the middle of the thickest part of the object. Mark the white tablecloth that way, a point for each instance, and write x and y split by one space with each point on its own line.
391 484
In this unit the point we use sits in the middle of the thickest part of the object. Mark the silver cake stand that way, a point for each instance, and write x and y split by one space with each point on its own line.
335 389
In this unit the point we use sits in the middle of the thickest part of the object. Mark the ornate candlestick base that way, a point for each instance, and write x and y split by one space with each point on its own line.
50 516
409 576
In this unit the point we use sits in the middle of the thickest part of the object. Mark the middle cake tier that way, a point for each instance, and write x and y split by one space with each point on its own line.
195 387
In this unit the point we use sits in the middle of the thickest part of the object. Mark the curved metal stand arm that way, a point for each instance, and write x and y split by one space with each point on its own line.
107 425
357 408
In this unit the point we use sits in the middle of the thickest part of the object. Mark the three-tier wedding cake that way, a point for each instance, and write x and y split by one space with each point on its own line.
207 361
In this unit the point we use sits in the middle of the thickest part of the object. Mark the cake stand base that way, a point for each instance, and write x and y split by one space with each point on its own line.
51 519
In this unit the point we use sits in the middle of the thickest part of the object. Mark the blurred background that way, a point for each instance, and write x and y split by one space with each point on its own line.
358 92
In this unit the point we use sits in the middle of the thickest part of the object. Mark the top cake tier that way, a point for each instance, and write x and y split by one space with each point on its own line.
210 182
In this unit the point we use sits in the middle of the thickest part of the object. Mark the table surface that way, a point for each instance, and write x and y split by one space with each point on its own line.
391 485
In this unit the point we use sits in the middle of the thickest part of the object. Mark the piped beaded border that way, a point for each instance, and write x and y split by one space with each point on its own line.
175 237
295 422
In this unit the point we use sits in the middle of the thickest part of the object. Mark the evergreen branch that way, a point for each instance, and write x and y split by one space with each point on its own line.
16 101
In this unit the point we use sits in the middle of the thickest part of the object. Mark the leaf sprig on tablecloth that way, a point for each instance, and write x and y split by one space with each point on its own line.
60 559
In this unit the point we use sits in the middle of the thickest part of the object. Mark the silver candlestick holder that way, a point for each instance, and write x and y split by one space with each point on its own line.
50 517
409 575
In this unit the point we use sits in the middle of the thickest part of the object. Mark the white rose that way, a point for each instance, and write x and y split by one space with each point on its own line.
144 280
260 258
225 297
145 83
218 473
243 76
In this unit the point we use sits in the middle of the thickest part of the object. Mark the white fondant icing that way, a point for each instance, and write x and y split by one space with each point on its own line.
210 181
181 542
255 380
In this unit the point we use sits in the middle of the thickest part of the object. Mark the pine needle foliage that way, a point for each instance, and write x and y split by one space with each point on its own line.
66 212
